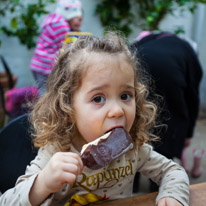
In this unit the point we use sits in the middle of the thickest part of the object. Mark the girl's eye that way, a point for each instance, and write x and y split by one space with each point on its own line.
125 97
98 99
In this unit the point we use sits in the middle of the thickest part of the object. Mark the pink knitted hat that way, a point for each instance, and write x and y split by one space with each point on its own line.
69 8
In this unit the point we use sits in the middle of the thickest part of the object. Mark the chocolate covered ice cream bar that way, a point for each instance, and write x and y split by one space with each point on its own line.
100 152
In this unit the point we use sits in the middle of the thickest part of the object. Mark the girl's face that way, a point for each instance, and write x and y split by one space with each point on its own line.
75 23
105 98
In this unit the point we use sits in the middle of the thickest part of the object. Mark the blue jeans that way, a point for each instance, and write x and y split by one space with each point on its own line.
41 82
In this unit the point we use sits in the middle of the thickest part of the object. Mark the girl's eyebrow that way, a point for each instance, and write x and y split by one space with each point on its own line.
98 88
106 86
128 87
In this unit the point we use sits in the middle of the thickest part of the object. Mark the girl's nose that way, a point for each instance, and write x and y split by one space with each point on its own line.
115 110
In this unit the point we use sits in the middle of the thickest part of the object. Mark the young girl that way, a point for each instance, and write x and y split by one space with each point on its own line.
66 17
94 87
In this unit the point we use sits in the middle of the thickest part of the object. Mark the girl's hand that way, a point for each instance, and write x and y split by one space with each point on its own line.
62 168
168 201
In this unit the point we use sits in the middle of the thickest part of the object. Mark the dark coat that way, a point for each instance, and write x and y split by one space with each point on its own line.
176 71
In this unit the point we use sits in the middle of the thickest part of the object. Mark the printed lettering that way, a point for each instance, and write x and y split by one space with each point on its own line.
122 169
116 171
100 178
90 181
104 179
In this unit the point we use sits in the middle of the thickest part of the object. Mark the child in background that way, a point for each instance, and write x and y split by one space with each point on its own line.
94 87
67 17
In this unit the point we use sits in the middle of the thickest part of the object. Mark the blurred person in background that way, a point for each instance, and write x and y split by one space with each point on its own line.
67 17
176 72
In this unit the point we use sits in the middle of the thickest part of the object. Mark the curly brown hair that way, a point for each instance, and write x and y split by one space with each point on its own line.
53 115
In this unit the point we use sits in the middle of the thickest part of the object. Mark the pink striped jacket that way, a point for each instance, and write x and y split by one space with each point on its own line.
50 41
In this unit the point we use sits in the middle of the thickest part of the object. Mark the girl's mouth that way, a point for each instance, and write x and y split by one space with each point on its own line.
113 128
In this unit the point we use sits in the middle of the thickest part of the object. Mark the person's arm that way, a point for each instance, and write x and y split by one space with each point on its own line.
50 41
170 176
58 30
62 168
30 189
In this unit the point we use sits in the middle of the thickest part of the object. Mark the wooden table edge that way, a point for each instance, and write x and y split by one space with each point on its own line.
197 198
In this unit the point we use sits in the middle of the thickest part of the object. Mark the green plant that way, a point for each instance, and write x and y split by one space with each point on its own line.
115 13
24 19
150 13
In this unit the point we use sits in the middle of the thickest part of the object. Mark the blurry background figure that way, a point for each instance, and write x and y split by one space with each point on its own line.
176 73
67 17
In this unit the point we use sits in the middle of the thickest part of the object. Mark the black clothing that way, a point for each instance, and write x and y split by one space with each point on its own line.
16 151
176 71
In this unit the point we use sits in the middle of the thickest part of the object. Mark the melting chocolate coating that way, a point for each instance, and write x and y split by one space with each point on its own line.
100 155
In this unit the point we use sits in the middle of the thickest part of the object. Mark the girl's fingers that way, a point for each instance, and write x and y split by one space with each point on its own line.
70 157
68 178
167 201
67 162
161 202
71 154
70 162
71 168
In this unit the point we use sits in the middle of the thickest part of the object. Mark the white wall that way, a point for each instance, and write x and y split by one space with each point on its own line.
199 34
18 56
195 29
